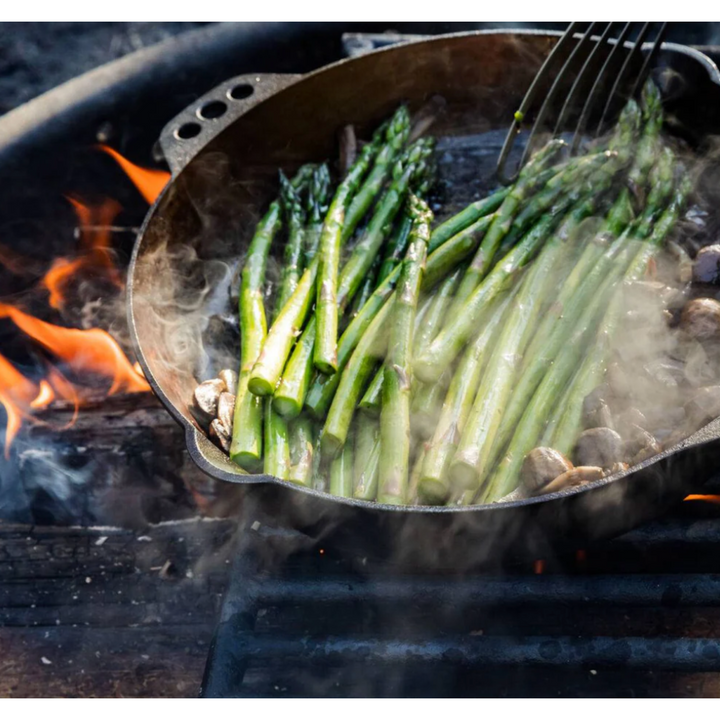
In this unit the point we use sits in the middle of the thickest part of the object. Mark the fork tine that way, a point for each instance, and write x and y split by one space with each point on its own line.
621 75
556 84
527 102
645 71
610 62
599 45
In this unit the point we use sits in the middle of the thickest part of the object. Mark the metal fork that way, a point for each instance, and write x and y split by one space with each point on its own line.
619 44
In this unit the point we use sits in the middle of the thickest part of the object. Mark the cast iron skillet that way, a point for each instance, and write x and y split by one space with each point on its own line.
224 152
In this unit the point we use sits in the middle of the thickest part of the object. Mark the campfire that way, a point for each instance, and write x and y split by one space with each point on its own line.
79 364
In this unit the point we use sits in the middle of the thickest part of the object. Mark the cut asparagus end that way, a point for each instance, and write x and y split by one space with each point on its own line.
464 475
326 365
386 499
249 461
287 407
260 386
330 444
433 491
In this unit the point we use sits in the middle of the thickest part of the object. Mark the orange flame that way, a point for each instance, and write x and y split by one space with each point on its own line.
84 351
539 567
149 182
44 397
16 395
715 499
94 224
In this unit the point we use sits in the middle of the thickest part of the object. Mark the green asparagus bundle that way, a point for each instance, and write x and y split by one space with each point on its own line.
463 347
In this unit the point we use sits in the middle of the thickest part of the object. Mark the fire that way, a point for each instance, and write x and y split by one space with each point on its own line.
16 395
84 351
94 226
150 183
539 567
715 499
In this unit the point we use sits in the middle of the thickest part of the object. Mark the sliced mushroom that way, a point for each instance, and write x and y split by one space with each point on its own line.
580 475
599 447
706 268
230 378
205 399
701 319
541 466
220 435
226 410
617 468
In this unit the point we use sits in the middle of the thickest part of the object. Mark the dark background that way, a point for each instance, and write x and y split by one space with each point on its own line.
35 57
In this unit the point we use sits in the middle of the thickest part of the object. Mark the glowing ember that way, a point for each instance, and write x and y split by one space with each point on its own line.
539 567
715 499
149 182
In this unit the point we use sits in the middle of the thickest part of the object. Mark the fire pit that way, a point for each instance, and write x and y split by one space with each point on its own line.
634 616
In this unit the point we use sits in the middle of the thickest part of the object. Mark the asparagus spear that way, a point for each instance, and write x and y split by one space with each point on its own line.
396 247
395 411
372 399
277 444
411 169
576 294
467 216
501 374
531 425
436 312
301 452
367 457
290 393
434 483
315 208
502 222
341 472
443 350
442 259
276 348
292 265
336 230
396 134
246 445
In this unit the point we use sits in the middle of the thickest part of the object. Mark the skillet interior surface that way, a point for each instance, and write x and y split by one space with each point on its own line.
188 253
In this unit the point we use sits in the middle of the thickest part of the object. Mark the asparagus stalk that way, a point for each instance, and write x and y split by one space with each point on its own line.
290 393
396 247
301 452
467 216
533 420
276 348
443 350
246 445
427 399
331 239
372 399
410 170
502 222
341 472
395 411
292 265
369 351
315 208
434 482
576 294
277 444
396 135
414 479
436 312
367 457
502 371
443 258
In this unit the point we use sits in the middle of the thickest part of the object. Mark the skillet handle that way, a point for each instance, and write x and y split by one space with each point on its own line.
209 115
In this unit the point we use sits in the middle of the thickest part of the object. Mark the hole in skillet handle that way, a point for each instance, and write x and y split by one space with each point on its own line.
212 110
241 92
188 131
